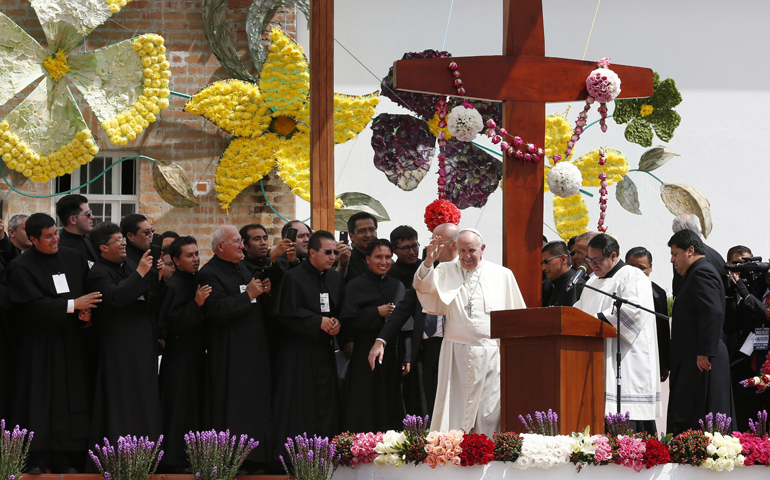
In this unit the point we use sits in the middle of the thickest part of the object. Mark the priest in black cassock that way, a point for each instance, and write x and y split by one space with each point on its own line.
182 371
372 400
566 282
127 396
700 368
307 308
238 392
255 248
78 220
51 394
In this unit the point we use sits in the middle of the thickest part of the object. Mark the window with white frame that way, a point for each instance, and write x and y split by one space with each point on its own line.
113 195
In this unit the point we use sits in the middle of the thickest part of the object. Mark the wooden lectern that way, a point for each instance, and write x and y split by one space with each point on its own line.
552 358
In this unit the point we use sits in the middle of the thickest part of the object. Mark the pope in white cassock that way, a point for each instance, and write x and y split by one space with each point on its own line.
640 369
466 290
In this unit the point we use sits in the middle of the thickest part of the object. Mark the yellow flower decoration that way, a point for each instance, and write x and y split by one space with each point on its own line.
615 168
570 215
271 121
125 86
57 65
645 110
558 132
435 129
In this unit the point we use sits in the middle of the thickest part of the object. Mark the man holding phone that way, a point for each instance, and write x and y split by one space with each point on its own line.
293 248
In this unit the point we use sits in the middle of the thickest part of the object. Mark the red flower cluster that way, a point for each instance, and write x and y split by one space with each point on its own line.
477 450
440 212
656 453
689 448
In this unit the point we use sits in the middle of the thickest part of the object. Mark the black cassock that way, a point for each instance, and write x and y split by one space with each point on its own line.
697 318
182 369
52 392
238 390
127 396
372 399
306 396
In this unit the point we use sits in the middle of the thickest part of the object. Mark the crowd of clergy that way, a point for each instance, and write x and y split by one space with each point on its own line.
320 335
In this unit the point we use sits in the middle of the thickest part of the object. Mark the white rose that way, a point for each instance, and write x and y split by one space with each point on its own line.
722 451
729 464
523 462
708 463
719 464
711 449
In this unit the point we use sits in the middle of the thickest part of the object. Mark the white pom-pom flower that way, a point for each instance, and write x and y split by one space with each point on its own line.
603 85
564 179
464 123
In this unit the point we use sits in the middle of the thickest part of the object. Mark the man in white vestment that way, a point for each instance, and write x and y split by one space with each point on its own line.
640 370
465 291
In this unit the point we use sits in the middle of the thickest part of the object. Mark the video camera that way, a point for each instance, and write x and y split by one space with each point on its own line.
752 269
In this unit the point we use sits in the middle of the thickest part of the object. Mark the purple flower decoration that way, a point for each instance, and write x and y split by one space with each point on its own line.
404 145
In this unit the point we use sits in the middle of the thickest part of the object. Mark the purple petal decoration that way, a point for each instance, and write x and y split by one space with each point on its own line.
420 103
403 148
472 174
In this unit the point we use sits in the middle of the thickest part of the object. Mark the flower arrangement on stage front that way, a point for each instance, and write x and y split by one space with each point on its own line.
443 448
416 430
724 452
217 456
389 449
14 447
689 448
271 121
125 85
507 446
756 448
135 459
477 449
310 458
363 448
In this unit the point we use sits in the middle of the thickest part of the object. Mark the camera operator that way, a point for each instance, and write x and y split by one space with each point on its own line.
746 327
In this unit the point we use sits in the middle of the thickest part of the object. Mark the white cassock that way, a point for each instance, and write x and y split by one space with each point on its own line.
468 393
640 370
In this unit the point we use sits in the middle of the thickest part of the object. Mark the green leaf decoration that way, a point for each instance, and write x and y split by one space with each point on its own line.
256 23
681 199
214 14
358 202
655 157
173 185
627 195
654 112
639 131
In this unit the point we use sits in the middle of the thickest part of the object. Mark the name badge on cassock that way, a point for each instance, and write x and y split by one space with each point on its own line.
60 283
243 289
761 338
325 306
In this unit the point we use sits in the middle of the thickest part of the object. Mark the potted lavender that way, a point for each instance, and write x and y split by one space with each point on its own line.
135 458
215 456
14 447
310 458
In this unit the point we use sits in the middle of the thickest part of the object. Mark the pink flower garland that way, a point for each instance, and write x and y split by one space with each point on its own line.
443 448
363 448
603 86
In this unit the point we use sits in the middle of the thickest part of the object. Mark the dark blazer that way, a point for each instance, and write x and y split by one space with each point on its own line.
408 307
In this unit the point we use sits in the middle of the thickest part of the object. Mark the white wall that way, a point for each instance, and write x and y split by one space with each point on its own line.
716 51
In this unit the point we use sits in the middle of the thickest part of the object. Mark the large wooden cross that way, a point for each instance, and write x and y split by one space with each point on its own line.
524 79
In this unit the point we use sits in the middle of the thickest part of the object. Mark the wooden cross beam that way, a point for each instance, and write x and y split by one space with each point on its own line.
524 79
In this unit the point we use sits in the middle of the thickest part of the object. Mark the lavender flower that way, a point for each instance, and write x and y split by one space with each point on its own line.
217 455
719 423
311 459
14 447
759 428
546 423
617 423
135 459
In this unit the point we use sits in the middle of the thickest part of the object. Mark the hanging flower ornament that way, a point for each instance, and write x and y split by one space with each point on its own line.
125 86
271 121
564 179
464 122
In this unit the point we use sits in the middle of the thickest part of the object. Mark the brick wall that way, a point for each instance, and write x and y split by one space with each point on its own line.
177 136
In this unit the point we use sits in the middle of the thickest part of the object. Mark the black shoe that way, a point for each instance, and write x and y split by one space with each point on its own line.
69 470
35 470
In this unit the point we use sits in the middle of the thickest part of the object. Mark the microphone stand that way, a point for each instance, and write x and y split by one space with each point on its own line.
617 304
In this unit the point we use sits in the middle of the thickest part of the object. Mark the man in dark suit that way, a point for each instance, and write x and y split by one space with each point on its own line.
428 329
700 369
688 221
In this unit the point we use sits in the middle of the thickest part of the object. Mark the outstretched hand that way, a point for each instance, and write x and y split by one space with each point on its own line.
433 250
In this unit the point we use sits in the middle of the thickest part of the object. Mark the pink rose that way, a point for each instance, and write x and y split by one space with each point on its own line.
430 449
432 438
456 461
439 450
441 460
431 461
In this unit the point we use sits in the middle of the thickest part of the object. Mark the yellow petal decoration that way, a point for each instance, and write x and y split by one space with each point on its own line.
271 121
570 215
558 132
615 168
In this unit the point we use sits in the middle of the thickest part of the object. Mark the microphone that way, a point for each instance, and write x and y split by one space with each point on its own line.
582 271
